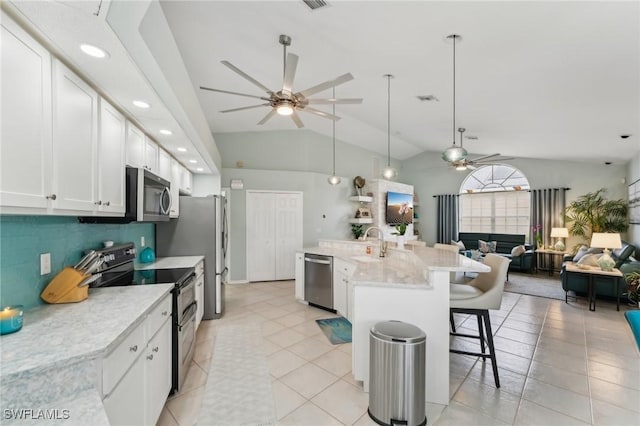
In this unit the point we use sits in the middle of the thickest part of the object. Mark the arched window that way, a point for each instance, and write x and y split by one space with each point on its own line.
495 199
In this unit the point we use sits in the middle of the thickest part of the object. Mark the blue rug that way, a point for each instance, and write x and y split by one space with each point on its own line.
337 330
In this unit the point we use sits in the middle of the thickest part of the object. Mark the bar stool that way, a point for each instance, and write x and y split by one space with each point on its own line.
476 298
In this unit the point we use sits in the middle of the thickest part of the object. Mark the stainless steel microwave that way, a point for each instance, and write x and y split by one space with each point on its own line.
148 199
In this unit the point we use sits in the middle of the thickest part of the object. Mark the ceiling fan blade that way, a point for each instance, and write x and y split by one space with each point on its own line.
267 117
326 85
297 120
289 73
331 101
246 76
320 113
243 108
234 93
484 157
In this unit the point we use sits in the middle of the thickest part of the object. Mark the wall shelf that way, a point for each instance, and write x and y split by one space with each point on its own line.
361 220
361 198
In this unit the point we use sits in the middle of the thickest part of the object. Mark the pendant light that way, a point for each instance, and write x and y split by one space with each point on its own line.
389 172
334 179
454 152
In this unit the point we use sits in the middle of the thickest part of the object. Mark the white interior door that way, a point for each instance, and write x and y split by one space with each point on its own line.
261 234
274 232
288 233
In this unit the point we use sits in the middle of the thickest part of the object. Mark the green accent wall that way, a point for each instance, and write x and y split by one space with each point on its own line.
24 238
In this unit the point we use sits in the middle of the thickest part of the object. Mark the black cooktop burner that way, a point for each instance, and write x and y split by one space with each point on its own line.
152 276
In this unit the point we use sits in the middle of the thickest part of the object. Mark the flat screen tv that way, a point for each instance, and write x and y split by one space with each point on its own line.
398 203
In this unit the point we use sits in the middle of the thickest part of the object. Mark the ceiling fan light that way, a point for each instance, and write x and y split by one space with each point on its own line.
454 153
389 172
285 108
461 167
334 180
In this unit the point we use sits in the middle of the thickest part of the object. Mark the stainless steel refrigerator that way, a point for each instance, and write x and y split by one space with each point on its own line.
200 230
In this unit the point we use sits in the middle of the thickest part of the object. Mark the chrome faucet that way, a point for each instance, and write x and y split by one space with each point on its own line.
383 246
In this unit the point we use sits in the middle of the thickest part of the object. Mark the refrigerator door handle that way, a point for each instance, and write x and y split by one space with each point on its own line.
223 271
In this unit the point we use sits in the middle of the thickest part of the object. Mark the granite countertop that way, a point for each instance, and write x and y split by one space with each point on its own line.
402 268
170 263
50 363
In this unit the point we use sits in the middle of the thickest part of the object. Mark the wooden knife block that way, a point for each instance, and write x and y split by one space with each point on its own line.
64 287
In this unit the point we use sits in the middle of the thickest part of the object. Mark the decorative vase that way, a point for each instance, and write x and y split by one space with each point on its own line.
400 241
559 245
606 263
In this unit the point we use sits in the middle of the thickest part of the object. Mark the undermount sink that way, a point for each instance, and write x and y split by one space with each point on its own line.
366 259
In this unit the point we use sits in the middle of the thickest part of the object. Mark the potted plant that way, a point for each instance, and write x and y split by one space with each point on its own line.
356 230
633 287
591 213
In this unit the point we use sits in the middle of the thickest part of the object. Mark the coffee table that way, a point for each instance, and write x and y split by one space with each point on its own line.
591 271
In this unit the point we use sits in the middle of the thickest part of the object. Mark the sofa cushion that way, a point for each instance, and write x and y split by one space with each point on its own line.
589 259
470 239
622 254
487 246
460 245
517 251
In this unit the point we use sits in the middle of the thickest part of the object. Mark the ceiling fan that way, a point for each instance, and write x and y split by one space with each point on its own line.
285 101
472 163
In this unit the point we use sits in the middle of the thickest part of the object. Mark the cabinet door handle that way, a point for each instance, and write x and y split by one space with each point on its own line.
133 348
150 357
51 197
165 313
155 349
98 203
107 203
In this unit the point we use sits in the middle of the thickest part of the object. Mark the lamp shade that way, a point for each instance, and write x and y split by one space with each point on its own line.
608 240
559 233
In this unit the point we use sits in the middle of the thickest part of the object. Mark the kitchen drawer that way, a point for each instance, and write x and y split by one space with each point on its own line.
121 358
343 267
158 316
200 268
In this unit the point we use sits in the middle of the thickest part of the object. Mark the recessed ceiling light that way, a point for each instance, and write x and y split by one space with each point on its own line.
181 149
141 104
200 169
166 132
193 161
93 51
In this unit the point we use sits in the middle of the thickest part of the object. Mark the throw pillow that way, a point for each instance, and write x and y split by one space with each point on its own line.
590 259
581 252
460 245
517 251
487 246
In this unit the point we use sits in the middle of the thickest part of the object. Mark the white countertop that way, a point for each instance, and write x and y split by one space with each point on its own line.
51 358
170 263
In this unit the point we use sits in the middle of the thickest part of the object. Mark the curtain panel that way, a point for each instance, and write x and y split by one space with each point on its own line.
547 210
447 220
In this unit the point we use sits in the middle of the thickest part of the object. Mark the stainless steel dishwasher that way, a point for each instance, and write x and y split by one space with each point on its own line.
318 280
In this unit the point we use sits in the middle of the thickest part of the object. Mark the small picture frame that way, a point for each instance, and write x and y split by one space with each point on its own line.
363 212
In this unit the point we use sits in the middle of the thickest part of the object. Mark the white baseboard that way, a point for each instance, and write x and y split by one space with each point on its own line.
237 282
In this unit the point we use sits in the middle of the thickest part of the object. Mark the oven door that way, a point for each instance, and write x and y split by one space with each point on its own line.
186 330
154 197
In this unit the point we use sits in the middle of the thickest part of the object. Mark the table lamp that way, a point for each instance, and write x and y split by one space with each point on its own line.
559 233
606 240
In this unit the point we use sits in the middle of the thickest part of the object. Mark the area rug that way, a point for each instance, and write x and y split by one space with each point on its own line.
540 285
238 390
337 330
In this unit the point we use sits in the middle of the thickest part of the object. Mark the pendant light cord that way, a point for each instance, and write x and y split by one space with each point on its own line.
388 120
334 133
454 88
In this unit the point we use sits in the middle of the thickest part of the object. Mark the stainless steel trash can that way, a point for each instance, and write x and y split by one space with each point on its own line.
396 374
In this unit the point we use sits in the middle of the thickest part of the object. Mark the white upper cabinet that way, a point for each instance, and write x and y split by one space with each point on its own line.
186 181
25 151
164 165
135 146
176 178
111 160
75 141
151 155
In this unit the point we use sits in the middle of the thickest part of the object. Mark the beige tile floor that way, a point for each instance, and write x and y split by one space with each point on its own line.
559 365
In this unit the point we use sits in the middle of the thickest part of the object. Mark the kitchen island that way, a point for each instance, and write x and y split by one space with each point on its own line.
407 285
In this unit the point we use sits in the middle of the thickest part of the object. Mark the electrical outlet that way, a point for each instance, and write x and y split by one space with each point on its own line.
45 263
142 241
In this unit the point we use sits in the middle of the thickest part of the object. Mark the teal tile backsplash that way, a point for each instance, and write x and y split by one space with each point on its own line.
23 238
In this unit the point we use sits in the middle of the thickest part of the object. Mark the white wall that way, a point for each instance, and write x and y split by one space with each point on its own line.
204 185
633 174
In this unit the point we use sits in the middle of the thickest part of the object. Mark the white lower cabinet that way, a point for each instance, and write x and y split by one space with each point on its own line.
136 375
199 299
341 272
299 287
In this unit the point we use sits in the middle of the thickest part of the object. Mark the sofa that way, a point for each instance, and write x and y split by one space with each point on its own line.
504 245
604 286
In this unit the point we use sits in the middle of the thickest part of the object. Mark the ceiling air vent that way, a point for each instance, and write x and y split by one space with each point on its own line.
315 4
